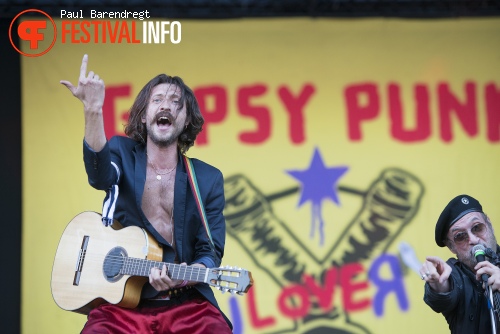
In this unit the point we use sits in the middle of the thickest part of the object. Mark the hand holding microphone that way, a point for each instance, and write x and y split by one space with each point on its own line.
485 270
479 253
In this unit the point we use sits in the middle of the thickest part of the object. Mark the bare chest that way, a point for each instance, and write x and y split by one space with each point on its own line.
158 202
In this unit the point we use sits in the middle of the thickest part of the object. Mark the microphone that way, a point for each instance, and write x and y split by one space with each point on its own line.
479 252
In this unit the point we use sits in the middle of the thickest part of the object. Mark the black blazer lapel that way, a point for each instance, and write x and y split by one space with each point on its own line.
180 200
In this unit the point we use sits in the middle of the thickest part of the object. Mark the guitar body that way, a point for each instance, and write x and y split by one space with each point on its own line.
80 281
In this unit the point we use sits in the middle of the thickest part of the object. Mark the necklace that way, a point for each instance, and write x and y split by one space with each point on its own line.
158 174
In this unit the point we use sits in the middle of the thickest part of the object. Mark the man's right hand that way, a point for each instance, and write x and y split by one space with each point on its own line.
90 89
436 272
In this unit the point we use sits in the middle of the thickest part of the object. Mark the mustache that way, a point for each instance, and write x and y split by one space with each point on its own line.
163 114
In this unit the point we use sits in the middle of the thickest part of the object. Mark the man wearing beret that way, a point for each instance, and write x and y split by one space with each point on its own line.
455 287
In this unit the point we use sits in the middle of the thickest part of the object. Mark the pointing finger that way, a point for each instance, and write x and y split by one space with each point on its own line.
83 68
433 259
445 274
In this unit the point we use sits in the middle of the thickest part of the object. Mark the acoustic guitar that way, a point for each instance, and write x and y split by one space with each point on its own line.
96 264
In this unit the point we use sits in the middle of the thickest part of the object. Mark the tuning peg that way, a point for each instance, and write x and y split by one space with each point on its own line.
240 293
223 290
232 292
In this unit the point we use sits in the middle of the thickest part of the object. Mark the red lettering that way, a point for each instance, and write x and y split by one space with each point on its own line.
215 115
109 108
358 112
296 300
303 301
96 25
261 114
85 32
324 295
466 112
112 32
362 105
295 107
134 39
74 31
124 33
65 30
492 97
349 288
422 128
256 321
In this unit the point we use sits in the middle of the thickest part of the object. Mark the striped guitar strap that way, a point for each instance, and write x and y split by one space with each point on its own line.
197 197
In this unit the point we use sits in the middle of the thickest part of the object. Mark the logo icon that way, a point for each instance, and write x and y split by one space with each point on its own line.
33 29
465 200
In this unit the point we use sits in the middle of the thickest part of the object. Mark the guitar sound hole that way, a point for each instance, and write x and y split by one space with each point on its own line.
113 263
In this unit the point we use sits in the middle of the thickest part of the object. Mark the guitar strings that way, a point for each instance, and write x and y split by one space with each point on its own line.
116 259
141 265
133 266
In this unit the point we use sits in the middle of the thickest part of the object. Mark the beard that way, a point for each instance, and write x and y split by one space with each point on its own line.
468 258
167 139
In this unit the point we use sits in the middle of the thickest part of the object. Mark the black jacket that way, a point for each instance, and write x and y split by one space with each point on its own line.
465 306
122 163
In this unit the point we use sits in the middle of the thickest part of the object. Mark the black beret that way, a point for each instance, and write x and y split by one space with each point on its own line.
456 209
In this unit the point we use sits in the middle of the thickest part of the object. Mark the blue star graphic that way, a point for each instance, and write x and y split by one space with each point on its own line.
318 183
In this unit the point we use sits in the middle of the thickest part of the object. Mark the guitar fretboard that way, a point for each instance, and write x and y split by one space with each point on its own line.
140 267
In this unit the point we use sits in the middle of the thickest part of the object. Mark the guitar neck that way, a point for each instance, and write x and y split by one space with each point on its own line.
141 267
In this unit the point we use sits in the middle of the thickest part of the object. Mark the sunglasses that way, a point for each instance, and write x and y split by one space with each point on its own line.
479 230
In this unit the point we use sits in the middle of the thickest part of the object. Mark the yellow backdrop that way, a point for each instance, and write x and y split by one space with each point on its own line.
340 142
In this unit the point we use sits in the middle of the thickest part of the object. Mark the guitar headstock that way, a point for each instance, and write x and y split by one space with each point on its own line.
230 279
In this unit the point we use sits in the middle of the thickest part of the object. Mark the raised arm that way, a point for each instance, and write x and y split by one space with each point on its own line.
90 91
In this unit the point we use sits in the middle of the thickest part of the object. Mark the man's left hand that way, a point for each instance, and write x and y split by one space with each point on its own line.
486 267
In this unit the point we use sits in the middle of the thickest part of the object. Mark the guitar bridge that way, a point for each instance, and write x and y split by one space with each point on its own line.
81 258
